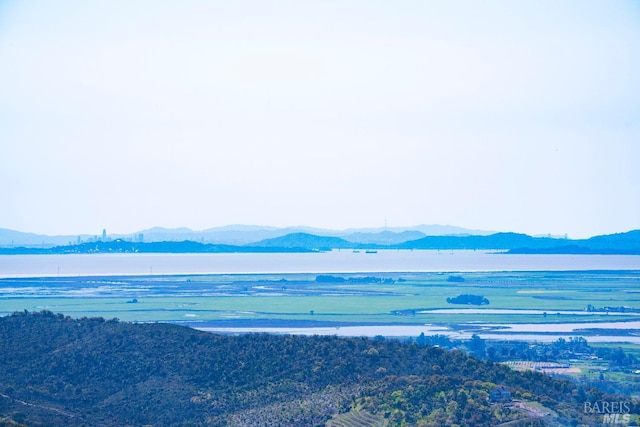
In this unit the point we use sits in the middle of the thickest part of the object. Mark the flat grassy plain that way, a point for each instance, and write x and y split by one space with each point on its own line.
344 299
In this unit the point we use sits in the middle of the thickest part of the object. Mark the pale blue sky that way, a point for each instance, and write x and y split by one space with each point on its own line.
506 115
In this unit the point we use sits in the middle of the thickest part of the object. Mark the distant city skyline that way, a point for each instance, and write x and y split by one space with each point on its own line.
497 115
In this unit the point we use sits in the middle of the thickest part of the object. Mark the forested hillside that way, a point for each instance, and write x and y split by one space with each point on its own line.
57 371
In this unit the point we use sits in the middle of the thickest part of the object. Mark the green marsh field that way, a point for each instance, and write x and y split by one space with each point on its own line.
310 300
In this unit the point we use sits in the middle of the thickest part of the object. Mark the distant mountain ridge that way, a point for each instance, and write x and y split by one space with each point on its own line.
493 241
307 241
621 244
19 238
238 234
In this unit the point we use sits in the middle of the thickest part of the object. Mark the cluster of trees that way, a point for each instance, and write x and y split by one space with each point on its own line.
468 299
499 351
57 371
560 350
612 309
327 278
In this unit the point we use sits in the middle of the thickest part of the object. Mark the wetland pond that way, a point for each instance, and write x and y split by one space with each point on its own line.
390 293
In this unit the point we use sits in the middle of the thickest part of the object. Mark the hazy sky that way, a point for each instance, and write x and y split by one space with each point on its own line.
506 115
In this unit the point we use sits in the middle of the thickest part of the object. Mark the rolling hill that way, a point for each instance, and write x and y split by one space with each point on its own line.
57 371
306 241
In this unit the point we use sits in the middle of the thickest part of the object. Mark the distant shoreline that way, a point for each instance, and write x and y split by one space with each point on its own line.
512 243
385 262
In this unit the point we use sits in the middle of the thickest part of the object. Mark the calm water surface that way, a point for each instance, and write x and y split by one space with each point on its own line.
519 332
325 262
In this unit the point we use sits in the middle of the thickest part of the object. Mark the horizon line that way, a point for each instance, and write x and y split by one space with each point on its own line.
394 229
